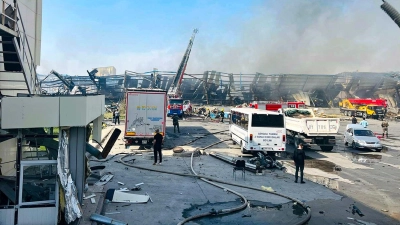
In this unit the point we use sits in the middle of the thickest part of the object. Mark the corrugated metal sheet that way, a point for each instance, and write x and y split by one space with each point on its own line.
7 216
37 216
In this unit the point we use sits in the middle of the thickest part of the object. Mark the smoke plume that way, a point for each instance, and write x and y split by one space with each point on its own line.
306 36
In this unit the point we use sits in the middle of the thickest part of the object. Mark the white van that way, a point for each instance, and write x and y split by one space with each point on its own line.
258 130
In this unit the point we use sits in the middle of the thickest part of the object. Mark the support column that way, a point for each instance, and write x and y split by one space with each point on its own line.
77 137
97 128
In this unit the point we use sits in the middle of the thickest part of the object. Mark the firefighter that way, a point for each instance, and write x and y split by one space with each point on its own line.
175 122
385 126
222 114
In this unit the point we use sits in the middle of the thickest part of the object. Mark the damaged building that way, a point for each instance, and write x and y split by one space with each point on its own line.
43 138
212 87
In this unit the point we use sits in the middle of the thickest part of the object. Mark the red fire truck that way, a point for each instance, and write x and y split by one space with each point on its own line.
274 106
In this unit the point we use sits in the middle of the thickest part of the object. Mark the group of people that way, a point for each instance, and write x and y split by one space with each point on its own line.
221 115
364 123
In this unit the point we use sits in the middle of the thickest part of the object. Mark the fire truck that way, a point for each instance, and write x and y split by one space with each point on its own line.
275 105
375 108
176 105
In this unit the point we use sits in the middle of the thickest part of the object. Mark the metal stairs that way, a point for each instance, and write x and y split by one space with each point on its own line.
17 66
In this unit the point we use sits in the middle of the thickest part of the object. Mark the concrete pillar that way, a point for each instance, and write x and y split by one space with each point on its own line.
97 128
77 145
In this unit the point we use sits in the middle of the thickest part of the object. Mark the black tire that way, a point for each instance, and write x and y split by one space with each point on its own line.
364 115
243 150
296 141
233 142
353 145
378 150
326 148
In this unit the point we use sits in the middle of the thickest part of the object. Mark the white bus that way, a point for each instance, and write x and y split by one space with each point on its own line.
258 130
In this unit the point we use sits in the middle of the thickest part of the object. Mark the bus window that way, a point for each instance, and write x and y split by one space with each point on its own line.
245 121
263 120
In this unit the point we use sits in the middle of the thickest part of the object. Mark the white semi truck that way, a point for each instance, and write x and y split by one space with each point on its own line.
302 126
145 113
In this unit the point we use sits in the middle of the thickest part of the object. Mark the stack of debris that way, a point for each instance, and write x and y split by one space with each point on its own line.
298 113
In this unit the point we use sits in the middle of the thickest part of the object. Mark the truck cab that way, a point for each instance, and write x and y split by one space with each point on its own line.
175 107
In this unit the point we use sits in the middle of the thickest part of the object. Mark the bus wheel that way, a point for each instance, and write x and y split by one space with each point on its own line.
233 141
243 150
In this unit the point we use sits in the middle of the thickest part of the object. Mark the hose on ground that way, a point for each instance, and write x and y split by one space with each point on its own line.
219 212
196 139
224 182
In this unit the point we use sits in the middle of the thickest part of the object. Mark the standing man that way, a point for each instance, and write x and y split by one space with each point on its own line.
222 114
116 117
157 142
385 126
353 119
364 123
299 156
113 116
175 122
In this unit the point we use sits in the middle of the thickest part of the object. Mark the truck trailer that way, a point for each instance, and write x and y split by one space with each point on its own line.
145 113
302 126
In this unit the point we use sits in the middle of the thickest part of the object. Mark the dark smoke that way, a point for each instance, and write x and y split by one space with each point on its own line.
306 36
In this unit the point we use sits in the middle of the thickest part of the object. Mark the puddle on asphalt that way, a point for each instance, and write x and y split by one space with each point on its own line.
258 213
318 164
364 158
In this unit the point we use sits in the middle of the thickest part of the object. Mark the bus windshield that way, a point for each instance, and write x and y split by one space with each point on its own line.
263 120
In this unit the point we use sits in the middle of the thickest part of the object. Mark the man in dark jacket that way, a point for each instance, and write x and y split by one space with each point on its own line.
299 156
222 114
175 122
353 119
157 143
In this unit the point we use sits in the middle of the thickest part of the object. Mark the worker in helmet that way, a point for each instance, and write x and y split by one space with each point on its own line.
222 114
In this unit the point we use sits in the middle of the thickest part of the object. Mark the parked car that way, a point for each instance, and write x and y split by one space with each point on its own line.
359 137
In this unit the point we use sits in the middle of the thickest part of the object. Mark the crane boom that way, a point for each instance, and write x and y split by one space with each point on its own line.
174 90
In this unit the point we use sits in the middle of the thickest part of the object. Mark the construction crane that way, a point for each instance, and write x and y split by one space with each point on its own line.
175 101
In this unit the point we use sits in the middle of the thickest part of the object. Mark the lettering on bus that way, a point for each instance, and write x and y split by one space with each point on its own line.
146 107
265 136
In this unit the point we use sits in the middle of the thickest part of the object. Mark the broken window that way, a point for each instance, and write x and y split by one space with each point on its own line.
38 181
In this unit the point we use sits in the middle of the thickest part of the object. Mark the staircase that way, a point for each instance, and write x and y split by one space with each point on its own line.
17 67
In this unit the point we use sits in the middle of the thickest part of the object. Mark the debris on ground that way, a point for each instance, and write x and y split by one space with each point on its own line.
104 179
267 189
105 220
119 196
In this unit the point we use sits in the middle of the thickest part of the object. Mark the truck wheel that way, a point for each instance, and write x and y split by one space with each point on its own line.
364 115
326 148
296 142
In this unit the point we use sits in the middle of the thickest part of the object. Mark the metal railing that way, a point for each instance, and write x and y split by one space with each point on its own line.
24 51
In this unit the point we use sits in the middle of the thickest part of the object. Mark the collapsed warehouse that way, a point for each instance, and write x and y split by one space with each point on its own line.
218 88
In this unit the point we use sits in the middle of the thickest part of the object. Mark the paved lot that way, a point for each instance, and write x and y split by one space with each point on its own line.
372 187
